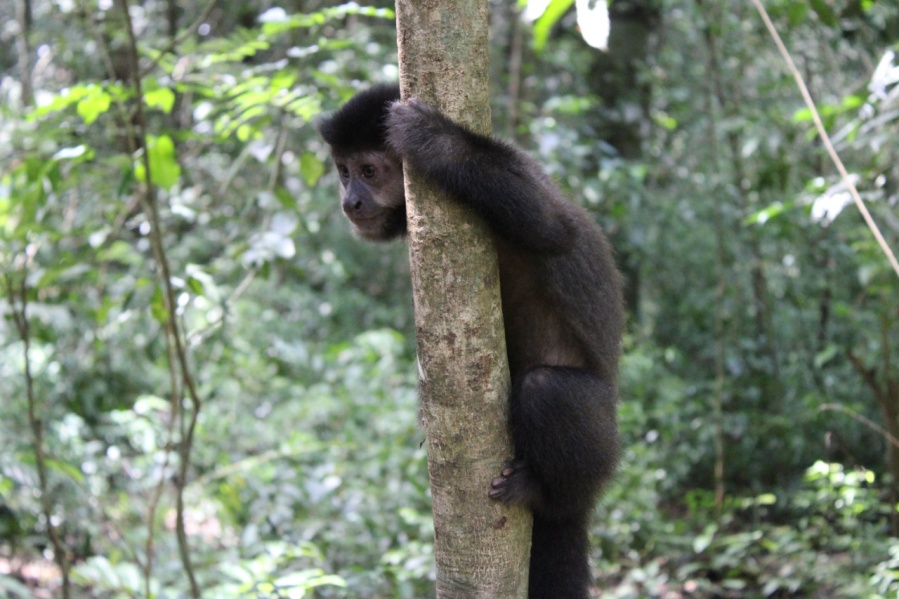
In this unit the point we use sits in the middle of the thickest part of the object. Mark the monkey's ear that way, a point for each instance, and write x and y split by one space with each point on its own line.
360 124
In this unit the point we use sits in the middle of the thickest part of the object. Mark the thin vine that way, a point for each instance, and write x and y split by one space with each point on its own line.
179 366
18 304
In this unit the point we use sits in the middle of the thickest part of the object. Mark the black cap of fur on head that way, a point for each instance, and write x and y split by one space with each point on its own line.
359 125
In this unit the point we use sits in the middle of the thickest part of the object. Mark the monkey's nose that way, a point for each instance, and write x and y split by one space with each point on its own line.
351 205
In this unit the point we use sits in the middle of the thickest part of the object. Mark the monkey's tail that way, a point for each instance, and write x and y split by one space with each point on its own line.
559 565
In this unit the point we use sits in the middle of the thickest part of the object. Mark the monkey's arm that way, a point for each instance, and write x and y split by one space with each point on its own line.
499 181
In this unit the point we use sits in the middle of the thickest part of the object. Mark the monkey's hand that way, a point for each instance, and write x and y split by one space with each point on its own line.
421 134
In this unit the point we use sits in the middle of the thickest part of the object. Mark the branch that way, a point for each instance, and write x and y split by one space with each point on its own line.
20 318
174 340
868 375
866 421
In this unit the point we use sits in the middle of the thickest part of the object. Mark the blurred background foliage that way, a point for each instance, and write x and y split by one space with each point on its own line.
759 385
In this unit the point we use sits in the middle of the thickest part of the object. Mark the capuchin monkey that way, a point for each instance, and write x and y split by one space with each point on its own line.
561 300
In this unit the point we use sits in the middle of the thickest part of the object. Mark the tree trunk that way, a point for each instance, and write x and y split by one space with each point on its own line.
481 546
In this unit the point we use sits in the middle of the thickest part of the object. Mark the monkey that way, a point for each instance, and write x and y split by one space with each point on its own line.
561 302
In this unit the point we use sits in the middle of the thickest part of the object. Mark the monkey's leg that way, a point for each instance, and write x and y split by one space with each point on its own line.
566 443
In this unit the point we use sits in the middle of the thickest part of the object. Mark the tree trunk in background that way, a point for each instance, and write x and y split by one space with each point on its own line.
481 547
23 48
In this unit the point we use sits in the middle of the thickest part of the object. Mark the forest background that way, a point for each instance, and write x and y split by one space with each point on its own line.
211 389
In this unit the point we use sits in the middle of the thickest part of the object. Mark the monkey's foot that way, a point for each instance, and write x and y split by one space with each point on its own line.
515 484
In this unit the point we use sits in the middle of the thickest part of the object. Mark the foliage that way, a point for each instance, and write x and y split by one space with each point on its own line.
826 537
757 299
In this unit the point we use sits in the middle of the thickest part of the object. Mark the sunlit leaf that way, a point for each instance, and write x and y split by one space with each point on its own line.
60 101
91 107
665 121
283 81
305 107
245 132
70 153
164 168
884 76
593 21
162 98
533 9
828 205
766 499
765 214
544 25
276 20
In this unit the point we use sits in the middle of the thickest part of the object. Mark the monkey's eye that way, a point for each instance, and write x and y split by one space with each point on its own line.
368 171
343 171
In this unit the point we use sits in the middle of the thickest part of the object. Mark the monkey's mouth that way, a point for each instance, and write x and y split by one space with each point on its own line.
366 225
363 221
379 226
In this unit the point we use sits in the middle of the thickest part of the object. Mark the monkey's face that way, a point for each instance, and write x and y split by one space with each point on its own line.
371 193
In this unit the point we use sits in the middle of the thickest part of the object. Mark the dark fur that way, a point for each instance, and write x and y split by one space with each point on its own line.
561 299
360 124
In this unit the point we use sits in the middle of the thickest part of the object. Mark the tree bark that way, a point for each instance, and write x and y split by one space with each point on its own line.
23 47
481 547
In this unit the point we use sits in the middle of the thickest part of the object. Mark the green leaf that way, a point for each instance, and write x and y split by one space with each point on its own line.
766 499
195 285
13 588
825 12
276 20
123 578
202 283
311 168
91 107
665 121
826 355
796 12
63 100
702 542
66 469
162 98
157 307
853 102
121 252
305 107
285 199
543 26
765 214
309 579
164 168
78 153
